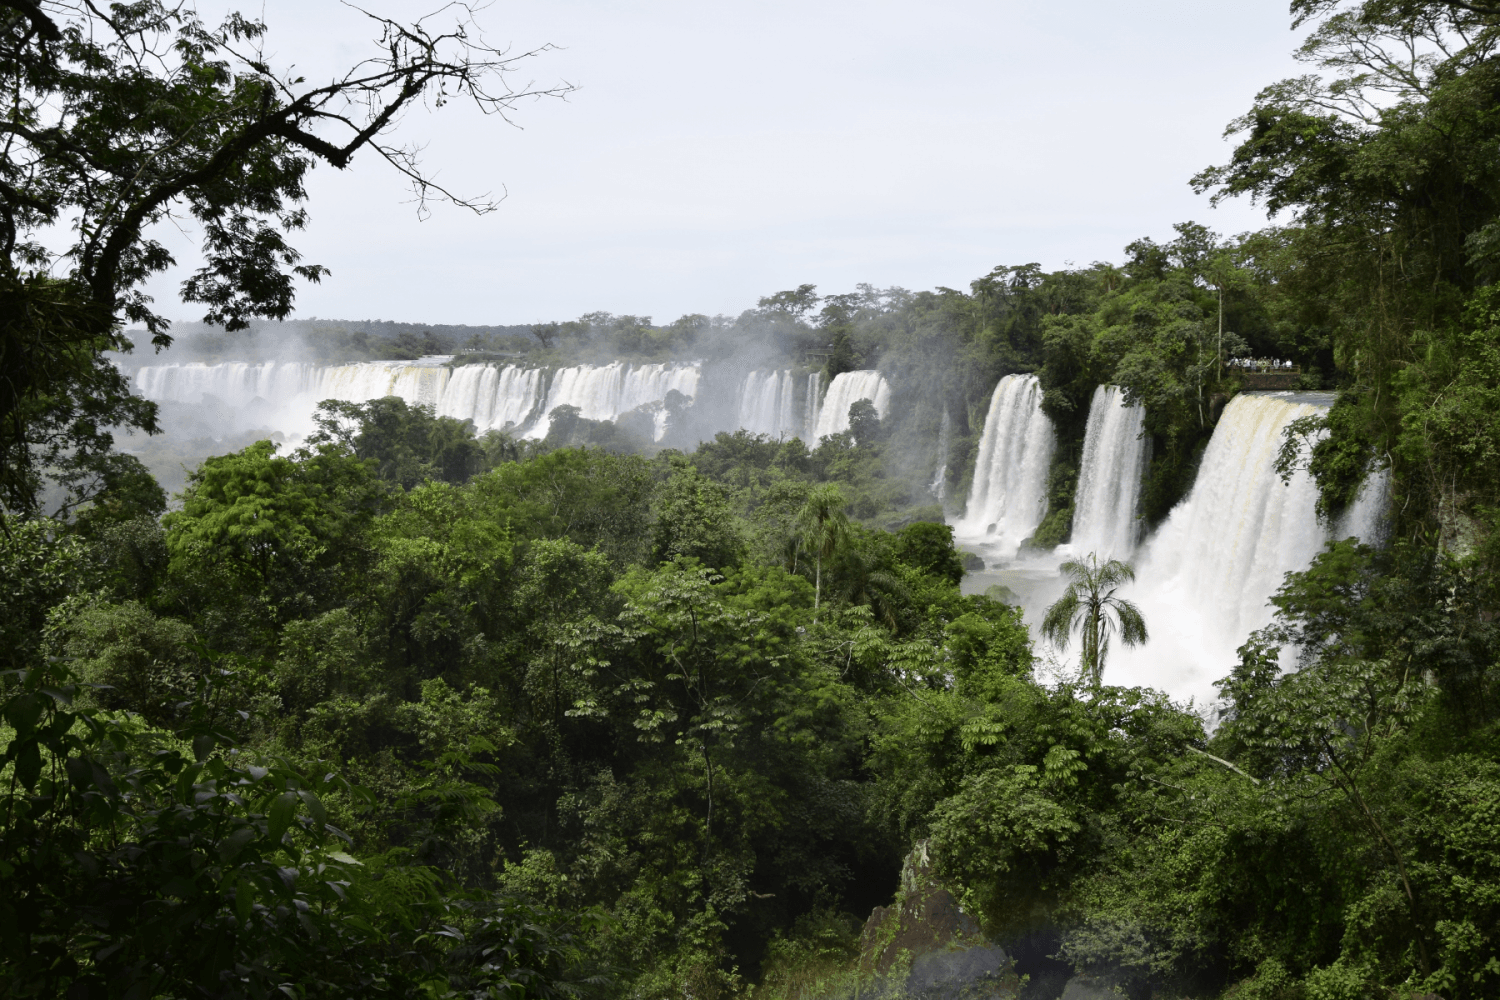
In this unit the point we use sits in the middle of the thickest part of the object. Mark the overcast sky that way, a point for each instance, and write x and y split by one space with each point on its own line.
718 152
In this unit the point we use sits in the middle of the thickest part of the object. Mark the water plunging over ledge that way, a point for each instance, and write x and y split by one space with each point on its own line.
1204 579
1008 498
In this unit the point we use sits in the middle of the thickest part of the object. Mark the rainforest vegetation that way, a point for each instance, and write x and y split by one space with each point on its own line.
408 712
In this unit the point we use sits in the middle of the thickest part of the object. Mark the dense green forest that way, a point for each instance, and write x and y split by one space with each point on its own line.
408 712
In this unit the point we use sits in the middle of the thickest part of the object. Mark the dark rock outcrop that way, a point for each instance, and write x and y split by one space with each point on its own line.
924 945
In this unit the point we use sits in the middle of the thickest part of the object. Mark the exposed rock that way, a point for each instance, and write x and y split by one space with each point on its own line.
1081 989
924 945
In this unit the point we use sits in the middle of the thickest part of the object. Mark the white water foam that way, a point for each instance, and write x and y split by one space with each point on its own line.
1008 498
780 404
510 397
844 391
605 392
1115 455
1205 578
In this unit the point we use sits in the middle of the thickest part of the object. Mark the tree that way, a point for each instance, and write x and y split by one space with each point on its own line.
929 547
135 866
407 443
796 303
864 422
823 528
286 531
694 519
1090 605
120 116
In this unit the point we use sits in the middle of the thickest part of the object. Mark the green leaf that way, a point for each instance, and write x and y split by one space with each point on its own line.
280 817
314 807
237 842
22 712
244 899
28 764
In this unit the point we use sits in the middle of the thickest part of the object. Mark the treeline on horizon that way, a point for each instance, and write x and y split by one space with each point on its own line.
410 712
1163 317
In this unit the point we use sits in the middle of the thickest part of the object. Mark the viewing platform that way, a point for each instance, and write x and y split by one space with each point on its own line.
1271 378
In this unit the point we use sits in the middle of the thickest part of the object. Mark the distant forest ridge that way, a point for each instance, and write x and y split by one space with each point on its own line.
333 340
787 325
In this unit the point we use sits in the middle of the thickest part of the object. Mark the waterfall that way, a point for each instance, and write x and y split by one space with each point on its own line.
843 392
1368 517
235 383
1205 578
810 409
605 392
1115 454
771 403
1009 496
494 397
939 485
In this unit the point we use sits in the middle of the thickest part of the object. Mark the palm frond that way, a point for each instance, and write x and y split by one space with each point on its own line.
1057 626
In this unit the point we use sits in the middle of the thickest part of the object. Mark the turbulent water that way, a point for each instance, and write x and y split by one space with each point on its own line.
843 392
1204 579
1008 498
282 395
1115 454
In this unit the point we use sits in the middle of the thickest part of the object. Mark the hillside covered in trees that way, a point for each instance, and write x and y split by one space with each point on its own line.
406 711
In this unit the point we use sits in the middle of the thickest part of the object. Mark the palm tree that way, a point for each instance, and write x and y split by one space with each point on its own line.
1090 605
822 527
858 579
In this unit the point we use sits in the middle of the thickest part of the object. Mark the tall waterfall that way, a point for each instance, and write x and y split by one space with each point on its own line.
1115 453
780 404
1009 496
810 409
508 397
1206 576
844 391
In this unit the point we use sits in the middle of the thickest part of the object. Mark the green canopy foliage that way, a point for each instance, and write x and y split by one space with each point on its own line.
407 712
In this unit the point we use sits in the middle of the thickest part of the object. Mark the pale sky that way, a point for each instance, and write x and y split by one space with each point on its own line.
718 152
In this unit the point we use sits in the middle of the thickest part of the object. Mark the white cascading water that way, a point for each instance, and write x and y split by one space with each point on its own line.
605 392
844 391
282 395
493 397
1008 498
773 403
810 409
237 383
1115 454
1205 578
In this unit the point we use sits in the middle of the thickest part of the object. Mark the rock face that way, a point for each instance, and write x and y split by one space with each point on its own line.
924 945
1078 989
